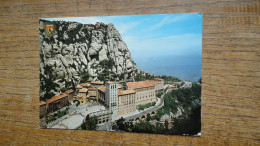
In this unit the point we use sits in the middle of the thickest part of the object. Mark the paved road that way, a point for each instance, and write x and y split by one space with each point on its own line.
149 110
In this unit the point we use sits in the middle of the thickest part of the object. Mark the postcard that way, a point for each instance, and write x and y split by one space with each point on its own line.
134 73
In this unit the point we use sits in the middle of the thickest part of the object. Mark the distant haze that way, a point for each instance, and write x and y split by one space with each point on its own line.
184 67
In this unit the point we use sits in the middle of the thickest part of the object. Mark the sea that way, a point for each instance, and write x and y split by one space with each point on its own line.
186 68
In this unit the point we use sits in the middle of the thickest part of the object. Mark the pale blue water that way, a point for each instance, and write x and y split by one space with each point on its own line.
183 67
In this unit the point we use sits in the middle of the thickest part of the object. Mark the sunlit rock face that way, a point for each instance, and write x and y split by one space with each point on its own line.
77 48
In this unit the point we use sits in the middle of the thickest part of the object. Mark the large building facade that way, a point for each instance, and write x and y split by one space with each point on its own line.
117 100
122 102
145 91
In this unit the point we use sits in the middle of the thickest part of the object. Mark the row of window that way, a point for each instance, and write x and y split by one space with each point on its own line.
102 121
145 96
113 86
113 104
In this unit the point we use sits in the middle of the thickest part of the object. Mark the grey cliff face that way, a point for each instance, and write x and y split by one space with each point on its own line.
77 48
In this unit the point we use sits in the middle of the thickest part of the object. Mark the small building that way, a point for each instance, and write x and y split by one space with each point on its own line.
173 86
70 94
82 96
43 108
93 94
78 87
126 102
96 84
187 85
57 102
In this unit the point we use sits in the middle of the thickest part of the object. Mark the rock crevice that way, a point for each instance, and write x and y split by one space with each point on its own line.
77 48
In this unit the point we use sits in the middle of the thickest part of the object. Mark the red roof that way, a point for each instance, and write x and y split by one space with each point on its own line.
78 87
69 91
103 89
55 98
97 83
172 86
126 92
85 84
119 86
42 102
110 82
156 82
140 84
92 89
83 90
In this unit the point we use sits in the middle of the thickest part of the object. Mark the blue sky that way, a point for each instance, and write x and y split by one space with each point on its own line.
155 35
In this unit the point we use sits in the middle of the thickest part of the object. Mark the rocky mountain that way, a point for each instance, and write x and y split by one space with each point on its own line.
97 51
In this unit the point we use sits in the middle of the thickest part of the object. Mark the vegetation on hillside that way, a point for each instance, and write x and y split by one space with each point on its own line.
159 94
144 76
48 85
84 77
184 99
107 74
169 79
189 122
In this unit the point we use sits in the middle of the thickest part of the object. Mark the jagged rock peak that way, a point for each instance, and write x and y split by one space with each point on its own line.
74 49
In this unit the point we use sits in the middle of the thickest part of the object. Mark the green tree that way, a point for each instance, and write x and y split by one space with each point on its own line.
144 127
84 77
159 128
188 125
123 125
166 124
48 85
140 77
90 123
107 73
159 94
199 81
148 118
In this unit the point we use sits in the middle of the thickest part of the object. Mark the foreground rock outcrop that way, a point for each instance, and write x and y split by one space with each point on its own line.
75 49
